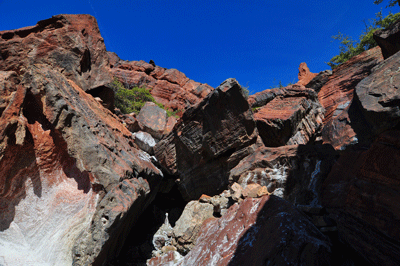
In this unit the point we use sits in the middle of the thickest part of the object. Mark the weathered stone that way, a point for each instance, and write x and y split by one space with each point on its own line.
204 139
62 156
263 231
319 81
305 76
293 172
292 118
362 194
389 39
251 190
171 121
343 123
153 119
236 191
379 95
188 225
69 44
145 141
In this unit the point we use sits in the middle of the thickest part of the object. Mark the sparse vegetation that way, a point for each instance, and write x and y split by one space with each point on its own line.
133 99
349 47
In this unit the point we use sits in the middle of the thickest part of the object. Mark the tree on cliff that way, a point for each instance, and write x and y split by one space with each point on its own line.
391 3
349 47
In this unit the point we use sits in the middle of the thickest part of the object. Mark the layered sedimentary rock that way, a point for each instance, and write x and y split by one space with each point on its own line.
319 80
293 172
362 195
70 44
169 87
72 181
389 39
293 117
379 95
342 120
261 231
207 140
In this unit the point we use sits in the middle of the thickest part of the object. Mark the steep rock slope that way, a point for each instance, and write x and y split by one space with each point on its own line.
71 178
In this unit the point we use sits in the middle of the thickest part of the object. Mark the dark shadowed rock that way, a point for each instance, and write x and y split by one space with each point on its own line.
294 117
362 195
207 135
343 122
319 80
262 231
70 44
379 95
389 39
153 119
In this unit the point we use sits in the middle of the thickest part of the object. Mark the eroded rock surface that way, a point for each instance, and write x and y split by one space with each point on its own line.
260 231
207 141
305 76
72 181
70 44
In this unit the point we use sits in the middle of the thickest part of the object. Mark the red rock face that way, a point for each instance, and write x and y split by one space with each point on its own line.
294 117
260 231
305 76
362 194
169 87
70 44
337 94
62 154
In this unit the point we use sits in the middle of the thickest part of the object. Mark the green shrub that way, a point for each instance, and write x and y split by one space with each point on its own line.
132 100
349 47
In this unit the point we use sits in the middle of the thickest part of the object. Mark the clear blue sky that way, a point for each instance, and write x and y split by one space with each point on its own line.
257 42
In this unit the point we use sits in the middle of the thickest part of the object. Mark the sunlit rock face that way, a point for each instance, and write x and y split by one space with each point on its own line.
72 181
287 116
169 87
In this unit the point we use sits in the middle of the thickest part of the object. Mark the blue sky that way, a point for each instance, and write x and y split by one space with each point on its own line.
257 42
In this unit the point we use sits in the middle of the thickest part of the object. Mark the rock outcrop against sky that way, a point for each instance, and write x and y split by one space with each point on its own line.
306 174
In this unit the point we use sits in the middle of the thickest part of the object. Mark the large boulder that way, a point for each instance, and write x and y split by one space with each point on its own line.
260 231
389 39
169 87
379 95
72 181
208 140
153 119
294 117
343 122
362 193
70 44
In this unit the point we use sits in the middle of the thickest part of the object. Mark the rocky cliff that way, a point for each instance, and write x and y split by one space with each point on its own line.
307 174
